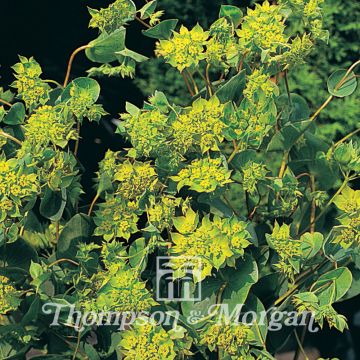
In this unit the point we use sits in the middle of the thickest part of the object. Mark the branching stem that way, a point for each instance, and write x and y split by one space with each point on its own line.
71 60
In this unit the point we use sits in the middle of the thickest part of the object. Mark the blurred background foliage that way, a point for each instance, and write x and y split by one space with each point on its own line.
341 18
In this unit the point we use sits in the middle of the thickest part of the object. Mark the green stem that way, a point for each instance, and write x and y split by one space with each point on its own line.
71 60
323 211
8 136
93 204
348 136
287 86
63 260
5 102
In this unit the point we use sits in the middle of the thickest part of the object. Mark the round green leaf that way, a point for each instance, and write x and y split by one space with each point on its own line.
103 49
162 30
347 87
16 115
83 83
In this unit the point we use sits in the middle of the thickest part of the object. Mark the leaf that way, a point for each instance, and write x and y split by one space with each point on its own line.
239 282
16 115
82 83
148 9
137 252
161 31
231 12
133 55
348 86
53 203
209 289
19 254
232 89
287 136
297 111
217 206
311 244
333 285
79 229
355 285
254 304
104 48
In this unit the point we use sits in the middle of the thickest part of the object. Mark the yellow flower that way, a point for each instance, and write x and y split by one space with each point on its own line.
263 28
185 48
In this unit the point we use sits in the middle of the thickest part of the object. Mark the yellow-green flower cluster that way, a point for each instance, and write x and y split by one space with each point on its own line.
253 121
211 243
118 291
233 339
134 179
82 104
203 175
47 125
252 174
185 48
115 219
114 16
202 125
257 112
31 89
109 163
161 212
222 47
58 170
148 131
15 186
348 233
147 341
126 69
309 302
299 49
262 28
310 13
125 292
9 296
287 248
259 81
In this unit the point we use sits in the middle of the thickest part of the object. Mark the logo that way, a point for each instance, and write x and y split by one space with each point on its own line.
170 288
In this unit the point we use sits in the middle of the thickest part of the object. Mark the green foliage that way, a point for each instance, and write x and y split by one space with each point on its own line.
288 238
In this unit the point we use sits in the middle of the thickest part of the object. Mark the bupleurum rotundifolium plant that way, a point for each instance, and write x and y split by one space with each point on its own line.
237 180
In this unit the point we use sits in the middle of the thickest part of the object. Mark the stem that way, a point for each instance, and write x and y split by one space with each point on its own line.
78 128
93 204
346 137
63 260
5 102
283 164
340 83
236 149
351 68
287 86
71 60
8 136
328 204
196 90
142 22
53 82
57 230
77 344
300 345
321 108
187 84
302 175
313 206
208 79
